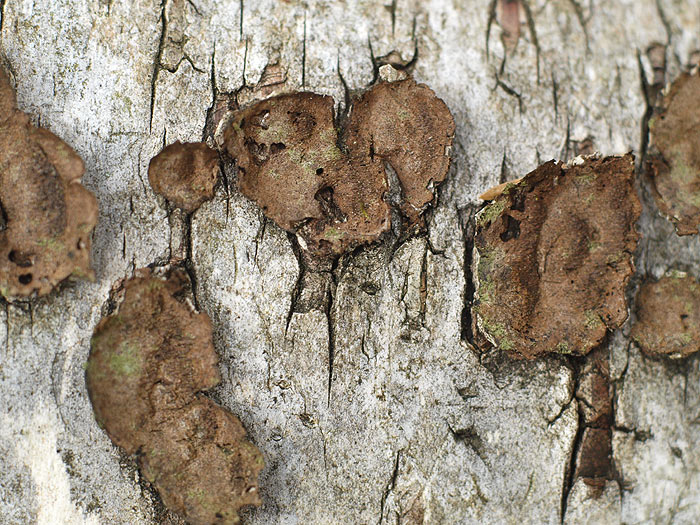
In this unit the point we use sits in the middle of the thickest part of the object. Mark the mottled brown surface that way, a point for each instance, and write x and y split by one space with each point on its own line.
329 190
148 362
674 160
668 316
553 255
185 174
46 215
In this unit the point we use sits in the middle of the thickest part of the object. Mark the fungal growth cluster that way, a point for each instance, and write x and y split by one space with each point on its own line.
328 185
668 316
148 364
552 255
46 215
185 174
674 160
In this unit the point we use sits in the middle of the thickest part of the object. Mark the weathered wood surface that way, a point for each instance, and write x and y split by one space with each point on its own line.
370 406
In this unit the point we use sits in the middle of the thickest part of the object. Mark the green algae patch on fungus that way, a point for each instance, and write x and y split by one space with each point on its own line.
546 280
673 163
46 215
668 316
148 364
326 180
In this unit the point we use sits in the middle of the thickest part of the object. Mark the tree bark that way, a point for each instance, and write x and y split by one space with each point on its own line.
360 385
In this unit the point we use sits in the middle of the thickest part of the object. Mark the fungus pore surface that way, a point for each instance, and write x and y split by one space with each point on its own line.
46 215
552 255
185 174
674 159
148 364
668 316
328 185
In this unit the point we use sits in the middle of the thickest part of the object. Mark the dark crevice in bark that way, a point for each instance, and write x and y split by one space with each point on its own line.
157 66
240 22
533 34
330 318
188 263
392 11
570 468
2 14
489 23
391 485
468 226
581 20
510 91
303 57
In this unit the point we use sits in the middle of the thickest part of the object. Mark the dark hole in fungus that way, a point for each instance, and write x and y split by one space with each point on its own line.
276 147
512 229
20 259
25 278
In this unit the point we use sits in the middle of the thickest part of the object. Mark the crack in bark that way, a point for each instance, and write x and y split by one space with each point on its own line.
240 24
157 66
188 263
391 485
330 318
2 15
581 20
303 57
468 227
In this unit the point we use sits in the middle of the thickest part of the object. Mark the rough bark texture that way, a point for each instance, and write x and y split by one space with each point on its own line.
358 383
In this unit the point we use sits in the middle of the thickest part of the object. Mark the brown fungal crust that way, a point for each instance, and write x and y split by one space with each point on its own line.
46 215
185 174
148 363
674 161
328 187
668 316
552 255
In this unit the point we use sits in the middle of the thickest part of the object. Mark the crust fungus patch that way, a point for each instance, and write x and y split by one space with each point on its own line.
668 316
148 363
552 255
185 174
328 186
46 215
674 161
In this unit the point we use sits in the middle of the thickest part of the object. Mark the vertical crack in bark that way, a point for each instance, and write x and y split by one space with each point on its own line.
157 62
489 23
664 21
581 20
240 22
391 485
570 467
2 15
330 318
644 142
392 12
188 263
468 226
303 57
533 35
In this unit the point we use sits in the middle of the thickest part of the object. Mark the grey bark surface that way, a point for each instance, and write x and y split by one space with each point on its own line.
359 385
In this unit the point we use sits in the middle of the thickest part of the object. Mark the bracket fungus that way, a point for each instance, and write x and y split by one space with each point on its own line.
328 185
148 364
674 160
552 256
185 174
668 316
46 215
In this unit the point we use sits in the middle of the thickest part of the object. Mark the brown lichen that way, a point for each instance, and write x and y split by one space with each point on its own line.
148 363
674 160
552 256
668 316
185 174
46 215
328 187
